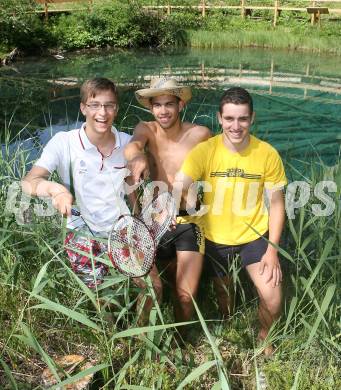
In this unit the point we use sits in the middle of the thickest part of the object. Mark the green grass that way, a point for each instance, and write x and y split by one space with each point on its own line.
279 38
46 311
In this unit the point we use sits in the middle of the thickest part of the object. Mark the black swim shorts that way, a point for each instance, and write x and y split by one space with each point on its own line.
218 256
186 237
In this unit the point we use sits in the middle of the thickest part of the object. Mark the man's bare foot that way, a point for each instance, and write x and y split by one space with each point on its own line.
268 349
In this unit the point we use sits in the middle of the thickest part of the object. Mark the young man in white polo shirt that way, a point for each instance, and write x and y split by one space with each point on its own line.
91 165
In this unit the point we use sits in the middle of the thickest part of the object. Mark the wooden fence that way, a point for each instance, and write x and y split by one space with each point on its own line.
65 6
313 7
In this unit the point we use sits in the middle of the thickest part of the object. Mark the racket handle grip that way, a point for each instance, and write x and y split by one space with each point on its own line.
75 212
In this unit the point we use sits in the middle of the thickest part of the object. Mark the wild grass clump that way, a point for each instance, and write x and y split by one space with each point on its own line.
46 311
279 38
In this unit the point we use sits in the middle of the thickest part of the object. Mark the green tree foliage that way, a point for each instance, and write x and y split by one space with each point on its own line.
20 27
115 25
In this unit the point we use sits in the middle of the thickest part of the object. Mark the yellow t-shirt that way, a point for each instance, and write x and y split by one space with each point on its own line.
233 184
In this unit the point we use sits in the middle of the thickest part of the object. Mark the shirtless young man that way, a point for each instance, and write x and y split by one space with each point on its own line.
158 148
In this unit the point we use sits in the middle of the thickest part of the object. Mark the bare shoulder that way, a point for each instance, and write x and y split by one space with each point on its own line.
199 132
143 126
144 129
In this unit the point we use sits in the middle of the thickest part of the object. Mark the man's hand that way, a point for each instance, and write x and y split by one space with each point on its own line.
62 201
270 265
35 183
173 224
138 166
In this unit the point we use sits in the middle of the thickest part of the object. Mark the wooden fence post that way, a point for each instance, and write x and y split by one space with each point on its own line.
91 3
271 75
203 8
168 9
242 9
307 69
313 17
203 81
46 9
276 12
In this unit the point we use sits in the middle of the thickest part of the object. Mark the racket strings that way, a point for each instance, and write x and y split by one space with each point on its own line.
159 214
131 247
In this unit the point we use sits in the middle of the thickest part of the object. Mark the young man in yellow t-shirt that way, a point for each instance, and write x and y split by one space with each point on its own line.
238 172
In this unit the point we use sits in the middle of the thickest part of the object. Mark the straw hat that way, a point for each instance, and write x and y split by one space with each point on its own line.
163 86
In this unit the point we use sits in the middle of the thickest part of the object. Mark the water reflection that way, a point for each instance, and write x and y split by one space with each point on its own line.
297 96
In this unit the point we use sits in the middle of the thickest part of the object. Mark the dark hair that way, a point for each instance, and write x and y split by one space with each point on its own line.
153 97
236 95
98 84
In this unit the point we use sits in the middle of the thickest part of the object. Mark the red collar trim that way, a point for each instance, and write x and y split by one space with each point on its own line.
80 139
102 155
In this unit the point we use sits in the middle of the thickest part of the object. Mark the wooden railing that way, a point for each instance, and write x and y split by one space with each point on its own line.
47 6
313 7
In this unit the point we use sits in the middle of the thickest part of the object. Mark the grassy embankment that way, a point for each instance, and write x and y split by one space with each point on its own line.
226 28
45 311
279 38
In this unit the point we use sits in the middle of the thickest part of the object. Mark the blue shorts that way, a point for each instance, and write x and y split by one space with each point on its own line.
218 256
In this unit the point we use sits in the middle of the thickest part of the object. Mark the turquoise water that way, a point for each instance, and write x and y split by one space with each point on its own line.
297 96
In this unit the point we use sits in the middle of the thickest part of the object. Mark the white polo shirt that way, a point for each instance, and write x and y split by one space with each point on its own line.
98 180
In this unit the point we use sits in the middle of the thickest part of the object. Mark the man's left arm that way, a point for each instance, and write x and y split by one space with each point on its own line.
269 263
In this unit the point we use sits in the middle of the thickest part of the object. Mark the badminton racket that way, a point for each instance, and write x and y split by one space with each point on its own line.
76 213
159 214
131 247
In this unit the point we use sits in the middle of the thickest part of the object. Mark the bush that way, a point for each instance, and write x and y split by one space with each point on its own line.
70 31
115 25
20 27
188 20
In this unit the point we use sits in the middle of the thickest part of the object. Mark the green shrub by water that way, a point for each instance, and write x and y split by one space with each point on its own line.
115 25
20 27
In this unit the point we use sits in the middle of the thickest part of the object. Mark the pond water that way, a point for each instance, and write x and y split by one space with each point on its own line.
297 96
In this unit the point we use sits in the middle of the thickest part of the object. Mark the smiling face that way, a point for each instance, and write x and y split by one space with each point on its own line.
236 120
100 112
166 110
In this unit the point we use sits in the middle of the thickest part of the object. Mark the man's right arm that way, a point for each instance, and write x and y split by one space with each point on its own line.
36 183
134 153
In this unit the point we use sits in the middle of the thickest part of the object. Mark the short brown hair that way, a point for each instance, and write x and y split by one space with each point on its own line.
236 95
91 87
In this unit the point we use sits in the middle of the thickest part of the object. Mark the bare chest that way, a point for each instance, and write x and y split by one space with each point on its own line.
166 159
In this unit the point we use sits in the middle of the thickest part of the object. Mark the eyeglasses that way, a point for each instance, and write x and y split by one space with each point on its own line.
110 107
